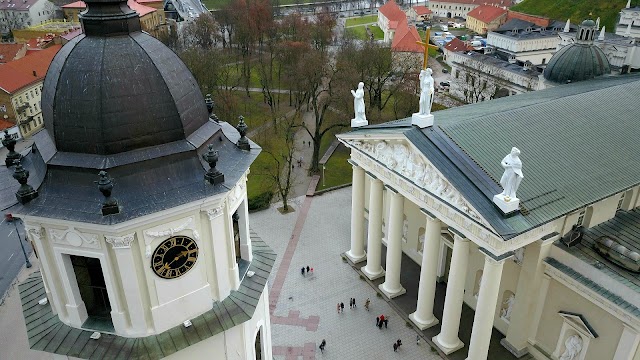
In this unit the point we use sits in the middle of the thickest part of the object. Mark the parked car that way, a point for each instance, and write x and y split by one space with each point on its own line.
445 71
445 83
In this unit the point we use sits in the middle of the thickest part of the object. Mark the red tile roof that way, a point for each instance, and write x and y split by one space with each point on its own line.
422 10
19 73
486 13
392 11
8 52
6 124
506 3
457 45
405 39
142 10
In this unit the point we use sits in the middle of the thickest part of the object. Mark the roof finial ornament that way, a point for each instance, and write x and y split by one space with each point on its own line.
243 142
209 102
10 144
26 192
507 200
601 36
598 23
567 26
628 4
110 204
213 176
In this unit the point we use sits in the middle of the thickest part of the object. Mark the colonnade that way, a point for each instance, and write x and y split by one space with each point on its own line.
423 317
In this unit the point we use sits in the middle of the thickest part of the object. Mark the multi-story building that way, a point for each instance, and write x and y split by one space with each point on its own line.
19 14
460 8
46 30
21 90
486 18
629 21
152 17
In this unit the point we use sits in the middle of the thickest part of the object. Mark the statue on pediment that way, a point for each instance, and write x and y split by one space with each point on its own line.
512 175
358 103
573 347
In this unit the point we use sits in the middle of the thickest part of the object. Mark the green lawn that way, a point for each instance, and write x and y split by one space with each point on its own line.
358 32
377 32
337 171
576 10
361 20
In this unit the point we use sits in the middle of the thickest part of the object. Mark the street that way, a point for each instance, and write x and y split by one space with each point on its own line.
11 257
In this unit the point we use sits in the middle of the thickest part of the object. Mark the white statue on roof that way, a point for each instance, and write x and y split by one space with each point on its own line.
507 200
423 118
358 107
512 175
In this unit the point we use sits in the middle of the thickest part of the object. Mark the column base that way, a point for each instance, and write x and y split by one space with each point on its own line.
447 348
512 349
392 294
372 275
421 324
358 123
356 258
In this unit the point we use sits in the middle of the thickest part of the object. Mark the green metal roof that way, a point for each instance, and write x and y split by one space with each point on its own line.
579 144
47 333
577 62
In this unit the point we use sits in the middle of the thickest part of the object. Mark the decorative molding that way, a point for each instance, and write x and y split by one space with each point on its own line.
187 225
73 237
214 213
412 175
36 232
236 193
121 242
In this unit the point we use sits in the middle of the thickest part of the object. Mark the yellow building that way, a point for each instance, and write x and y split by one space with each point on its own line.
151 13
486 18
47 28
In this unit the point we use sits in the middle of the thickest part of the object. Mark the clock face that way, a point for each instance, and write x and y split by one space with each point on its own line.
174 257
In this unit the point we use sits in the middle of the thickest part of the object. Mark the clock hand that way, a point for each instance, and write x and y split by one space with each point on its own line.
178 257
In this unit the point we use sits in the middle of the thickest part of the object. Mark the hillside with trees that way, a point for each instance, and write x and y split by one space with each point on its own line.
576 10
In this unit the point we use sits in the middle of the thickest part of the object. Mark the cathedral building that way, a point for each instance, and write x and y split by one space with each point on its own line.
135 201
543 243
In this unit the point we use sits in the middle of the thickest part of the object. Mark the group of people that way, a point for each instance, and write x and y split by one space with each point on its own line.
396 345
382 320
306 270
352 304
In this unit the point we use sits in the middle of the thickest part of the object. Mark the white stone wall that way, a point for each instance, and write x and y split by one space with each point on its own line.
29 96
445 8
538 51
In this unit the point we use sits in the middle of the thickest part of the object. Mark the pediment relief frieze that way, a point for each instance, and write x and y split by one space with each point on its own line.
401 158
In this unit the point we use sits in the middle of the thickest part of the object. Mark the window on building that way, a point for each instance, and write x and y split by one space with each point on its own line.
580 220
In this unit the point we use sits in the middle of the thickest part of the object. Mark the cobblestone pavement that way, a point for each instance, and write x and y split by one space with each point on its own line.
305 311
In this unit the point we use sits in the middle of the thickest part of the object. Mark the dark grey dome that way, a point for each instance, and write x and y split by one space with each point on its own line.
107 93
577 62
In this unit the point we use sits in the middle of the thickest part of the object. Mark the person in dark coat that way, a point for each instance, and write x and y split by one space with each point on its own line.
386 322
377 320
395 347
302 271
342 306
322 345
354 303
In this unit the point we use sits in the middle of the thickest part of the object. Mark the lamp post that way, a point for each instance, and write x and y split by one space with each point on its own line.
10 218
323 168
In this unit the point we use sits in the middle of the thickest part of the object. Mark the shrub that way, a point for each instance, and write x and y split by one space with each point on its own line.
379 295
408 323
260 201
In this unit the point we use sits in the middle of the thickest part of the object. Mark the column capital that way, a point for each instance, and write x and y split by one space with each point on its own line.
354 164
496 258
457 235
428 214
120 242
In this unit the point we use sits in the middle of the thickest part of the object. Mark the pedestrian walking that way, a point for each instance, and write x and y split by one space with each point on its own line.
366 304
418 340
311 271
395 347
399 342
342 306
380 324
386 322
354 303
307 269
302 271
309 143
338 308
322 345
377 320
381 317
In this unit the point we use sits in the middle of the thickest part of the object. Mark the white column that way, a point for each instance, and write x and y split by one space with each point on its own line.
391 286
448 340
243 227
528 287
219 255
486 308
628 344
130 285
374 270
356 253
423 316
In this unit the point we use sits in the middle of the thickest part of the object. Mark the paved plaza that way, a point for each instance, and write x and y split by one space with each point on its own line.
304 307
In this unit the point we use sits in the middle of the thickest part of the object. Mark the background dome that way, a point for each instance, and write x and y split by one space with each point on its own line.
110 94
577 62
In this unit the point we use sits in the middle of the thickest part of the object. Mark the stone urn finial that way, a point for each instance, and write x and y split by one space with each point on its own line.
243 142
26 192
10 144
110 204
213 176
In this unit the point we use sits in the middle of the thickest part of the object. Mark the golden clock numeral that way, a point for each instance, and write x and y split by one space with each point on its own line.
191 258
172 242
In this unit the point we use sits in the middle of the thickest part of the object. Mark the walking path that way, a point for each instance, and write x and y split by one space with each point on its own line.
304 307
